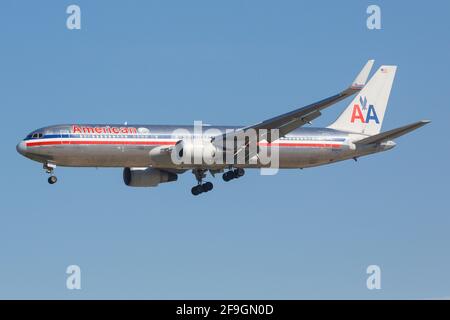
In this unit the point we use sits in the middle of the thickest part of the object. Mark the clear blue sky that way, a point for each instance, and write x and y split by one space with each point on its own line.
299 234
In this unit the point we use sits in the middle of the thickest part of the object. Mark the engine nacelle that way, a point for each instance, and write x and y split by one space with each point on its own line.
146 177
196 151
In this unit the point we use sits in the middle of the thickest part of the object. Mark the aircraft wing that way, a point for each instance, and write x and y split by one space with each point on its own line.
292 120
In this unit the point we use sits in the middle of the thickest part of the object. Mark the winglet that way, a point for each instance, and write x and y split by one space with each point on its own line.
361 79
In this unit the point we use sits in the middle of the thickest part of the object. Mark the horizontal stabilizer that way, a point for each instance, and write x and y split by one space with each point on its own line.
392 134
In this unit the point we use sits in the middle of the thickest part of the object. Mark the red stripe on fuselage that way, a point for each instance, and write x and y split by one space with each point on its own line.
160 143
59 142
293 144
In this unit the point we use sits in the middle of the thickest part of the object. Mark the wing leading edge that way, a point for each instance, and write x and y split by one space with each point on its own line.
292 120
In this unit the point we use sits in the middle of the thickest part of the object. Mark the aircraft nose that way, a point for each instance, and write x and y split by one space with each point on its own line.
21 147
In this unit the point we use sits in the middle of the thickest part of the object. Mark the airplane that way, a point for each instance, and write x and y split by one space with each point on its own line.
155 154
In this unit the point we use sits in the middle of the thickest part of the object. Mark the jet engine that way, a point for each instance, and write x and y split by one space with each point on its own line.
196 151
146 177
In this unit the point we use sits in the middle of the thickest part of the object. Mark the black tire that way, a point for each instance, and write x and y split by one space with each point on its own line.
207 186
226 177
197 190
52 179
239 172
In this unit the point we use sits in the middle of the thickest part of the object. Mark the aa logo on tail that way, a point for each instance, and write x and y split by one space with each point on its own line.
357 113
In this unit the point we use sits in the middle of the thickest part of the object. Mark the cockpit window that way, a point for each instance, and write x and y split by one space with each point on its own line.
37 135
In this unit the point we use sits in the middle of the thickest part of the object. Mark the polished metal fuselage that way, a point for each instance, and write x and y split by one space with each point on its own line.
62 145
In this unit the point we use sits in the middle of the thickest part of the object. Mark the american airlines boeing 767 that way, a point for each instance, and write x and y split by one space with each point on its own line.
154 154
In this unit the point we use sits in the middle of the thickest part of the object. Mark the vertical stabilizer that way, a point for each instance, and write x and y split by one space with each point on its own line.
366 112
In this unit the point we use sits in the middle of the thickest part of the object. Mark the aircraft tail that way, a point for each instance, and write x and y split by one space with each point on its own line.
366 112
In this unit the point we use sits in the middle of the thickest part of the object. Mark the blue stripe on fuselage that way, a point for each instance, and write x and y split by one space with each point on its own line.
159 136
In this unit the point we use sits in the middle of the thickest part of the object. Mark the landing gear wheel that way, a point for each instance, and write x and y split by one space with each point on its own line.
227 176
233 174
208 186
52 179
201 187
239 172
196 190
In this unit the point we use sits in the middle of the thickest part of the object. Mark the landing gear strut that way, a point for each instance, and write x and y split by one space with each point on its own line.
200 187
233 174
49 167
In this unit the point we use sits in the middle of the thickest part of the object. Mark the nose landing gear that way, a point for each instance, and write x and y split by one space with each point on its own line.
52 179
49 167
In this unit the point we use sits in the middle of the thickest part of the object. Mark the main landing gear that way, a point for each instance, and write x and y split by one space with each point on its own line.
200 187
233 174
200 174
49 168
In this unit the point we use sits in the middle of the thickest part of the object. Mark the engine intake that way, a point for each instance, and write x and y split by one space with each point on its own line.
196 151
146 177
